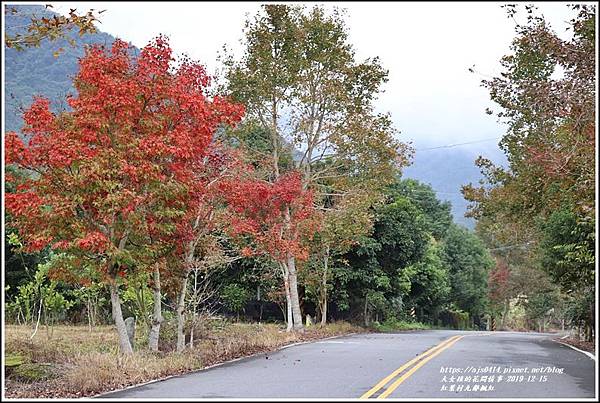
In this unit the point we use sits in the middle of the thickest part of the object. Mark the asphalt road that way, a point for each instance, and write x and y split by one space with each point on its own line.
423 364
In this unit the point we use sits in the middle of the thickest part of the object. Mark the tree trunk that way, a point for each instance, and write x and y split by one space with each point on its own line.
157 317
295 300
180 315
504 314
366 317
288 299
93 311
117 314
37 324
46 324
89 312
288 307
591 336
275 137
323 299
261 312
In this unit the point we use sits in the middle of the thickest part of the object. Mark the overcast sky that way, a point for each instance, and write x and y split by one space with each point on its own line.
427 48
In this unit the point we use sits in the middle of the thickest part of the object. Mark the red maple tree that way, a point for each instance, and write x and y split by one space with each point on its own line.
97 171
258 209
274 219
498 281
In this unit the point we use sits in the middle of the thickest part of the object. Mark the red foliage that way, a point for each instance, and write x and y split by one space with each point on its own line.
93 241
498 281
199 201
279 216
135 125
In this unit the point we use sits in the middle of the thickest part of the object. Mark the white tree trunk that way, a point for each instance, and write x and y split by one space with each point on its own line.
181 315
295 300
288 299
157 317
117 314
323 299
366 312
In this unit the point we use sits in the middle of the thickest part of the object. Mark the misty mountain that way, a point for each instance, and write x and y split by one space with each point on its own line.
447 169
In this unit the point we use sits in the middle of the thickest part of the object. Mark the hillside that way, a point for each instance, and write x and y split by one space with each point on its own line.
36 71
447 169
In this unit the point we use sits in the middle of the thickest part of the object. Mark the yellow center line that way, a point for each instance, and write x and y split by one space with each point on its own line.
388 378
397 383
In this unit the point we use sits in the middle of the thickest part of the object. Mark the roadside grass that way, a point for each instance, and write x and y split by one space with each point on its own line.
396 325
76 362
392 325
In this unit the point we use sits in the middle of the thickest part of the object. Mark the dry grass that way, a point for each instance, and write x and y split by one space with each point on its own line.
65 342
588 346
87 363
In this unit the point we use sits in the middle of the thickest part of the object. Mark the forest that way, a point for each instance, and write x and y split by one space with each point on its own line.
161 202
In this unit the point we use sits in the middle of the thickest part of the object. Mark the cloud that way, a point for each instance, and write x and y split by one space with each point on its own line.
427 48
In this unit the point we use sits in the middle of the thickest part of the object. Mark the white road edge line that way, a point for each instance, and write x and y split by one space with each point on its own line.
336 342
590 355
101 394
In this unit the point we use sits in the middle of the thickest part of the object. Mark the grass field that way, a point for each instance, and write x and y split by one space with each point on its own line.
73 361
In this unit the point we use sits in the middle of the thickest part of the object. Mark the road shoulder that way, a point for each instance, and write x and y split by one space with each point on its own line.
586 348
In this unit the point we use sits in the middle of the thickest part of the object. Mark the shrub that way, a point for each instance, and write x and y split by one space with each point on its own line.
235 297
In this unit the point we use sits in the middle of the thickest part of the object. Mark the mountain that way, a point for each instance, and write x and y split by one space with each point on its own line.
446 169
36 71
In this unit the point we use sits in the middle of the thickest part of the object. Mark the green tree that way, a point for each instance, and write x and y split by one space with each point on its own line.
235 297
567 248
429 285
566 252
345 220
40 298
299 79
437 213
540 307
376 269
468 263
546 93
